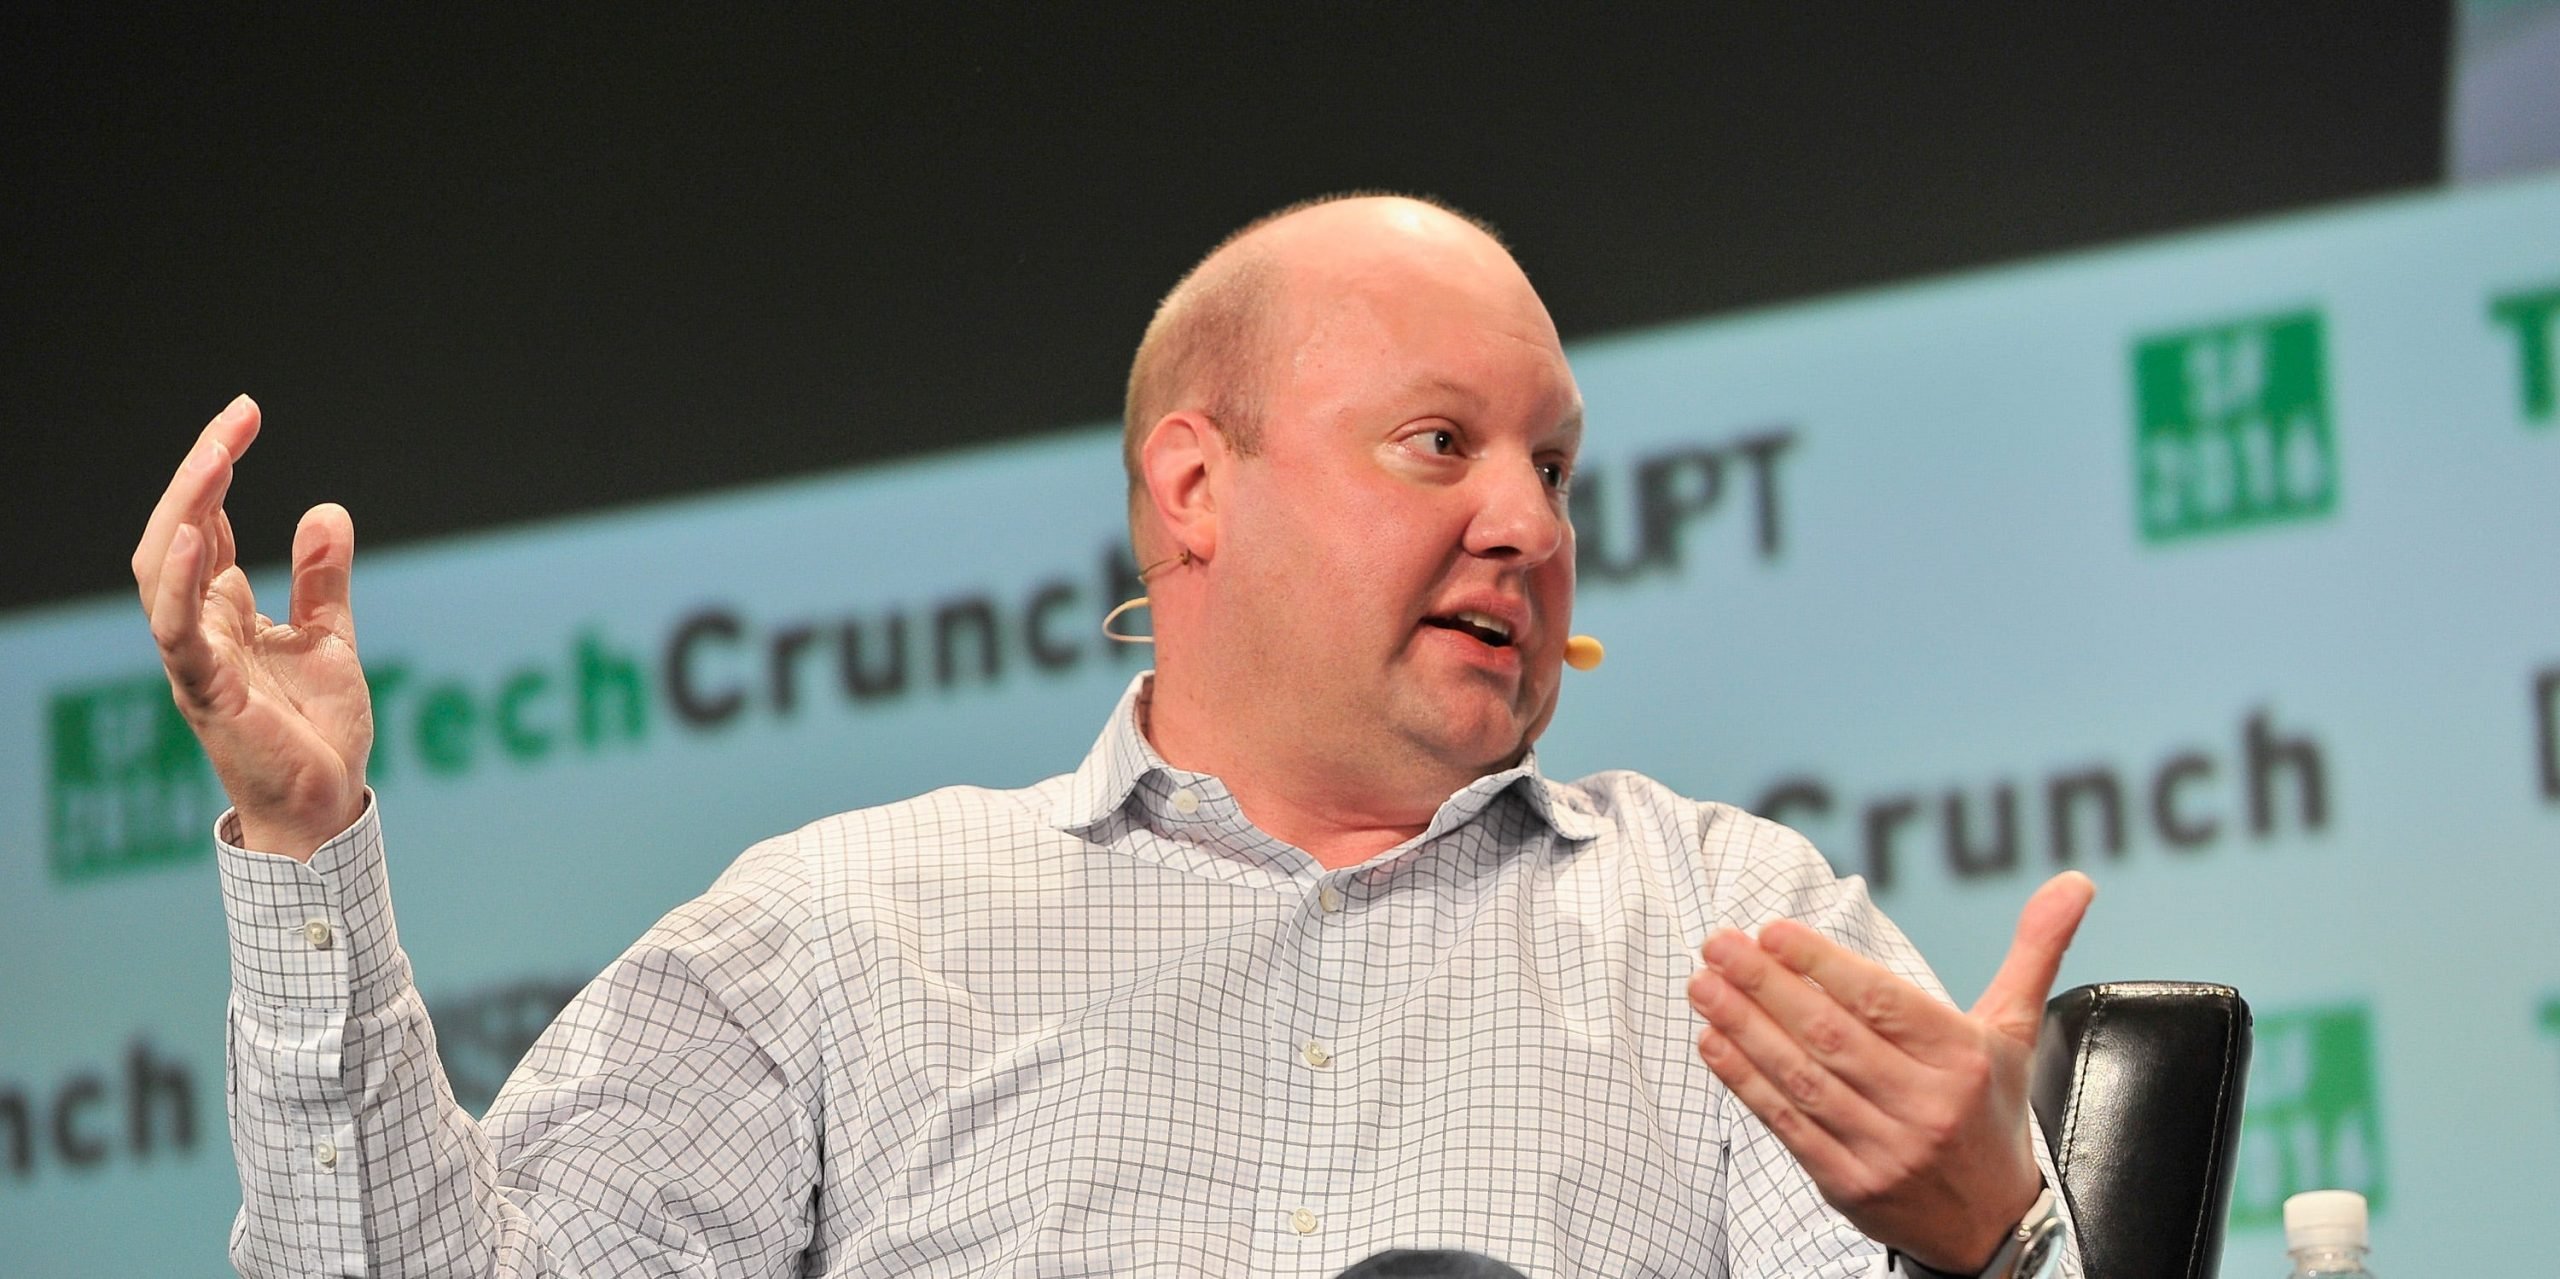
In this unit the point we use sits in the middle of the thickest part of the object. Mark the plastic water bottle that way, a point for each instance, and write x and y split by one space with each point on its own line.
2325 1232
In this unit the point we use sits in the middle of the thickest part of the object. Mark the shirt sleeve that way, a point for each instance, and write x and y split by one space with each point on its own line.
664 1124
1780 1225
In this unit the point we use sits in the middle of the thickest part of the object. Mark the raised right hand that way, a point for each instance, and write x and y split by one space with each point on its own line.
281 708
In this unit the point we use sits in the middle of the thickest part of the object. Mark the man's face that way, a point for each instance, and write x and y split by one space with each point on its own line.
1402 558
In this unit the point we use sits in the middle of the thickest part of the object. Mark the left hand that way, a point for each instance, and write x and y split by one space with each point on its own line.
1911 1117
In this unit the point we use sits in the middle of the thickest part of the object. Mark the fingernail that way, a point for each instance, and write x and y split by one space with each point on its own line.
237 402
1721 947
208 456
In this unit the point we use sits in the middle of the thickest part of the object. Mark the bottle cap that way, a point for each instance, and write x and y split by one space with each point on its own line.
2324 1218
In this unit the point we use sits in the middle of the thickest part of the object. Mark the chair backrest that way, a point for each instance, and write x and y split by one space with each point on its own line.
2138 1085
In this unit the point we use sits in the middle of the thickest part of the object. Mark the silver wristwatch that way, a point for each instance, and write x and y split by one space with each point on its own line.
2028 1251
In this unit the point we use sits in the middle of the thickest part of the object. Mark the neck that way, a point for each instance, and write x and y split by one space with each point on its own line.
1340 810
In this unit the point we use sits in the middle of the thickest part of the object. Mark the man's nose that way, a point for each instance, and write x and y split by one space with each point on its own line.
1520 518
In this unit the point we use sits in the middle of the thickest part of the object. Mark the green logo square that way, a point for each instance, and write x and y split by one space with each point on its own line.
2531 315
2232 427
2314 1117
130 787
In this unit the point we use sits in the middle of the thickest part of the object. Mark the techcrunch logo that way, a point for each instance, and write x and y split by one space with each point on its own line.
2232 427
2313 1120
2530 314
130 790
2267 782
716 666
140 1107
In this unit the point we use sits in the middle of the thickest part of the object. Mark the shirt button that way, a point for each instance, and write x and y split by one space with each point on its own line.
1303 1221
325 1154
1316 1055
1329 899
1185 802
317 932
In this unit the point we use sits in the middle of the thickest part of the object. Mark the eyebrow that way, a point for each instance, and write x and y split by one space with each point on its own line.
1569 431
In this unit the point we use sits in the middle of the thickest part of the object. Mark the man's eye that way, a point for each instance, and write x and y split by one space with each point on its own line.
1443 441
1553 473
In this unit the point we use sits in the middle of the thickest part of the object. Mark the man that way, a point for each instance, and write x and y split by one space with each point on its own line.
1306 961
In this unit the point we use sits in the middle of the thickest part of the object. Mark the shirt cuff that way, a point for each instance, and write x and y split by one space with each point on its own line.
316 933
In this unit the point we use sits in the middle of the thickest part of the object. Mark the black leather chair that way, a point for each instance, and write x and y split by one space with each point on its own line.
2138 1085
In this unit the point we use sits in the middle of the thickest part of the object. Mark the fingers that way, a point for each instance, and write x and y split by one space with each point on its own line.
1808 1014
226 548
2014 1001
1823 1155
324 549
177 618
195 493
1793 1028
1882 1001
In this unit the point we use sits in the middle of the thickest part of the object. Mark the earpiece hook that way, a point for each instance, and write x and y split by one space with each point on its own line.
1125 607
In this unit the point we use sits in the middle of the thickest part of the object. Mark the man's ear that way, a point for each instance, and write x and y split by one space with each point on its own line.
1182 459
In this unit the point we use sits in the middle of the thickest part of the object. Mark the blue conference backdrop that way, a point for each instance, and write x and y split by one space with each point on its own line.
2222 568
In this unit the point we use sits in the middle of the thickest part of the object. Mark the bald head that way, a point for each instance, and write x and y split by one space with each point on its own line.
1352 424
1215 343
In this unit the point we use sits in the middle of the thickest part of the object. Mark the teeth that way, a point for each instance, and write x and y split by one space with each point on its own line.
1487 621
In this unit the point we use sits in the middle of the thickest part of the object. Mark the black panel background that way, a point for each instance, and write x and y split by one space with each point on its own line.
484 266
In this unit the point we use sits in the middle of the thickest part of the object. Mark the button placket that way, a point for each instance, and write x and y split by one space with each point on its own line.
1296 1174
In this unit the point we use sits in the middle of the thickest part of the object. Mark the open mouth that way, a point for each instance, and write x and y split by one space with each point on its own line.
1484 628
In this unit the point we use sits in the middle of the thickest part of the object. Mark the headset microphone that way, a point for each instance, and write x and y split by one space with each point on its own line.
1583 653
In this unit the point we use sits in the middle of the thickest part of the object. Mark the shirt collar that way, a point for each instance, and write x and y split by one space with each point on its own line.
1119 760
1122 758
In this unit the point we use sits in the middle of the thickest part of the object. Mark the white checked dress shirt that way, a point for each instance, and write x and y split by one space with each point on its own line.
1098 1026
